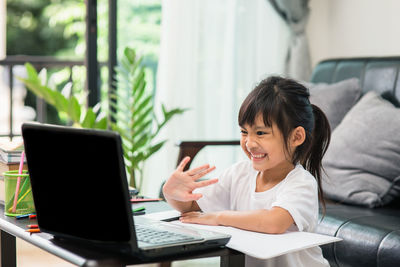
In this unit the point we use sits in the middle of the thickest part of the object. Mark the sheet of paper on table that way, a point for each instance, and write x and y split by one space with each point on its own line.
262 246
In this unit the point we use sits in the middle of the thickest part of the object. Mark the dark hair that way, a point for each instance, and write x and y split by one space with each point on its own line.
286 103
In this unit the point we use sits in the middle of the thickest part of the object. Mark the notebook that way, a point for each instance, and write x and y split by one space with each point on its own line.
80 191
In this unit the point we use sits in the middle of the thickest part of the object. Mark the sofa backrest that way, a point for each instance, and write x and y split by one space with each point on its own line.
379 74
375 73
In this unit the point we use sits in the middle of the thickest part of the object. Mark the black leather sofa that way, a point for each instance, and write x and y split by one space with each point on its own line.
371 237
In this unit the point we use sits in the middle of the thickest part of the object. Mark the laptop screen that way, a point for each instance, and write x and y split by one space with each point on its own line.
78 182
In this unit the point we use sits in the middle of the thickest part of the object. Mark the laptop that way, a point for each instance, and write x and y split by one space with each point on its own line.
80 191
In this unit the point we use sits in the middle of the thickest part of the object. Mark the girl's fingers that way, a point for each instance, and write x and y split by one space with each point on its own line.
190 213
202 173
198 169
206 183
192 196
183 163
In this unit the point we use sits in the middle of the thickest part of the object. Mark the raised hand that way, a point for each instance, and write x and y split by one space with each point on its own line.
180 185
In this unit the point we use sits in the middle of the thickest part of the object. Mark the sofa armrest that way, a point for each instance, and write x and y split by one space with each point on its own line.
191 148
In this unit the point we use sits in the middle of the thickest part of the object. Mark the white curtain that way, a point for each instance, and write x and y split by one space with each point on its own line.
295 13
212 54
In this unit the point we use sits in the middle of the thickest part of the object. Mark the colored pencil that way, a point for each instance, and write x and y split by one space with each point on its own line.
35 230
21 166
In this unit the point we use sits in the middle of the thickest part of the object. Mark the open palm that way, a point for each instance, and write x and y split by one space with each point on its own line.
181 184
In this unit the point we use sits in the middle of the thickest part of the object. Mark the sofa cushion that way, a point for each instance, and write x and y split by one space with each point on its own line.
362 162
335 99
389 96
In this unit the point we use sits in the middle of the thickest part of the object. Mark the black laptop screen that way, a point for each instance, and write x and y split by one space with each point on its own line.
78 184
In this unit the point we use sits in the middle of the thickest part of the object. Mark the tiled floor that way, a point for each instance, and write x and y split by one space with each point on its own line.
29 256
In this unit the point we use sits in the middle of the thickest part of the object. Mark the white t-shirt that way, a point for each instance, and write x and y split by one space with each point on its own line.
297 193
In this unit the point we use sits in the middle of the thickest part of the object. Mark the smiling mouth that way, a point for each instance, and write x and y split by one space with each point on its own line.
258 155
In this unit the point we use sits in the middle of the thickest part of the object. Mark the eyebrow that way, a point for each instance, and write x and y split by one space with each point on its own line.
259 127
262 127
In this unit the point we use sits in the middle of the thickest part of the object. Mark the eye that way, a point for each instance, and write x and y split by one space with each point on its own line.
261 133
243 132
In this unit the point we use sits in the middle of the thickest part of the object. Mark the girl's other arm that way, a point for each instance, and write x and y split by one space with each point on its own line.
178 189
274 221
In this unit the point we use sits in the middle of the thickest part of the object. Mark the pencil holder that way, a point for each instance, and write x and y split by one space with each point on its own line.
24 203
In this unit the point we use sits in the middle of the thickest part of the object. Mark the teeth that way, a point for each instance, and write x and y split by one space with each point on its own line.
258 156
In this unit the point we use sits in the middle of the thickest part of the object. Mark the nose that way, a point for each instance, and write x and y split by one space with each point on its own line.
250 142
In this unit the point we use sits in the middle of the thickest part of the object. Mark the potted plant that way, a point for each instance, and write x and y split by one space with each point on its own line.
132 116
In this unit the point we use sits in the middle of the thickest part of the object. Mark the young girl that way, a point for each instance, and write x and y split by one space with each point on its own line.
285 138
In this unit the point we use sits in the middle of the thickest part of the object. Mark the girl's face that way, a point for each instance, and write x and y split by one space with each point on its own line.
264 145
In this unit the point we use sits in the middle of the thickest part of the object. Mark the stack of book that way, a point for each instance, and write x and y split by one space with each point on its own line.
10 155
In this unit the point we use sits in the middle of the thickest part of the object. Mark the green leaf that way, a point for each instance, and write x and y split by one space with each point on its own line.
32 73
140 92
128 162
61 103
142 141
164 111
89 120
142 117
121 132
33 87
139 85
155 148
127 149
48 95
142 105
144 127
130 54
138 158
169 114
101 124
74 109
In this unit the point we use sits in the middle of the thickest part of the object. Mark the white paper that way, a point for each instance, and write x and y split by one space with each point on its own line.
258 245
162 215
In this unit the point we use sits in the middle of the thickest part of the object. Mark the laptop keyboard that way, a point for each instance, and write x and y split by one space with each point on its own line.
155 236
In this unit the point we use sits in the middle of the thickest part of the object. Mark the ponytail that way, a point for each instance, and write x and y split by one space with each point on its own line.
321 137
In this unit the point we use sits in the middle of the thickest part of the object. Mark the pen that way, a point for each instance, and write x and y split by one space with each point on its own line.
135 200
32 226
139 209
171 219
36 230
30 216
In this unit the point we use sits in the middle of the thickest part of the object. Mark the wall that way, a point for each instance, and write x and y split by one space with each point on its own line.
350 28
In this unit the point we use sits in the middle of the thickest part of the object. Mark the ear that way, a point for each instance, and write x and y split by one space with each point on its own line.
298 136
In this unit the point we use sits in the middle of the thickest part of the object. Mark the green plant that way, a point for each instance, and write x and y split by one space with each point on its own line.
132 116
62 101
